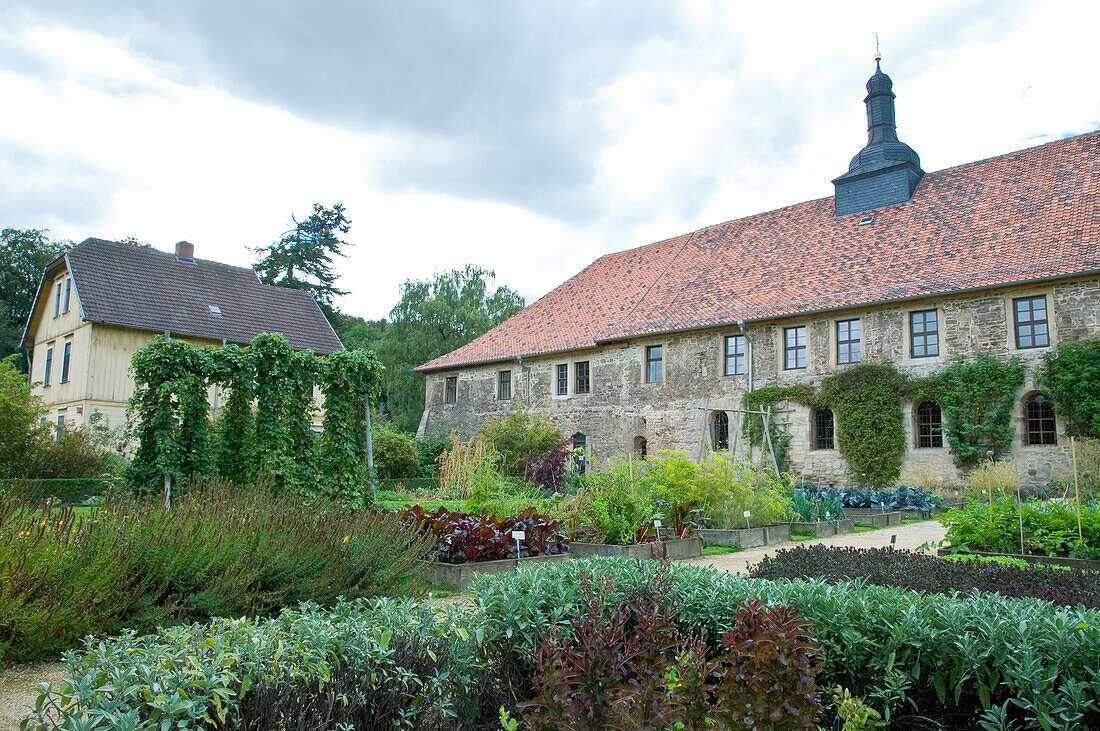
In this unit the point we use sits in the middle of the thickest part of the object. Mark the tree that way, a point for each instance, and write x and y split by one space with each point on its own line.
355 332
302 258
433 318
23 257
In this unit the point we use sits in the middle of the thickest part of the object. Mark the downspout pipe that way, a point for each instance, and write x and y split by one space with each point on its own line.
526 382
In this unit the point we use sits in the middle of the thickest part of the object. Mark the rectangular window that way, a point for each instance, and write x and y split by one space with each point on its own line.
57 298
65 361
847 341
794 348
654 364
823 429
924 334
1031 322
504 385
68 292
49 367
563 379
581 383
60 422
451 395
735 355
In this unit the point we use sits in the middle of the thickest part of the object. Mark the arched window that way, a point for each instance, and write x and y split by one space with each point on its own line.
1039 421
823 429
929 425
640 447
720 431
580 444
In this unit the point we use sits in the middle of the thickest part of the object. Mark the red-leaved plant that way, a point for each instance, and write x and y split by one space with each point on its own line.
628 666
462 537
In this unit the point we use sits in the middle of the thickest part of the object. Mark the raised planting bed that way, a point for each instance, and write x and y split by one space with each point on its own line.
457 576
938 510
874 518
765 535
675 549
824 528
1078 563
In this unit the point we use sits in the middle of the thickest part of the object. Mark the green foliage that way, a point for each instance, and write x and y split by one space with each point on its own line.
169 412
220 551
952 658
62 491
752 425
355 332
302 258
517 435
236 437
1072 375
20 430
429 448
23 257
395 453
611 507
380 664
725 488
855 713
349 376
433 318
866 404
1050 529
977 398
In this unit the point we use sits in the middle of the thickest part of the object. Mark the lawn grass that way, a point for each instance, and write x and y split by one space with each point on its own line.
720 550
393 500
799 537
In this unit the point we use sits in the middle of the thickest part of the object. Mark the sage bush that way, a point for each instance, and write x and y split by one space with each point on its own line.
967 660
367 664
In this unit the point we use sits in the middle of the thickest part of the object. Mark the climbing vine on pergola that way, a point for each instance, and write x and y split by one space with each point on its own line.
265 428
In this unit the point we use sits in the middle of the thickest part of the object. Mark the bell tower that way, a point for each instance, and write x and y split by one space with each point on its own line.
887 170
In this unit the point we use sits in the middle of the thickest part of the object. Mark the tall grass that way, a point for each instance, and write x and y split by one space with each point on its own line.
220 551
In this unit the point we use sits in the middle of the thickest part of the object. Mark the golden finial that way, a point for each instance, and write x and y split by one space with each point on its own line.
878 56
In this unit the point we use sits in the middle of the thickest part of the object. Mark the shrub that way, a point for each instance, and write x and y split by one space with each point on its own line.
866 399
550 470
518 435
1050 529
377 664
429 448
920 572
955 659
220 551
460 537
394 452
628 665
459 464
610 508
1088 471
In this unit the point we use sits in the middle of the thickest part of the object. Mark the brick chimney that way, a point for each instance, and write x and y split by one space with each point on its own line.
185 251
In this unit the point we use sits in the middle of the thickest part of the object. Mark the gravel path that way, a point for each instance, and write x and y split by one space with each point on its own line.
910 536
19 689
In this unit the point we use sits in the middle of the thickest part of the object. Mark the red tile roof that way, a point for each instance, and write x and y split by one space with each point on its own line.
1028 215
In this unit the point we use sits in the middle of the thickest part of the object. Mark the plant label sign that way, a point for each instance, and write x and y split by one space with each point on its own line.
656 524
518 535
747 513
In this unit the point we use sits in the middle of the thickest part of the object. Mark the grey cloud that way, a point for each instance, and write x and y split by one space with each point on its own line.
507 88
42 191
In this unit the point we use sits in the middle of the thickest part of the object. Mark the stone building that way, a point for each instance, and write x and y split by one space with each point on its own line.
654 347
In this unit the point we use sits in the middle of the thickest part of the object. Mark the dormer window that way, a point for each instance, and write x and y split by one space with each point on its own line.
215 310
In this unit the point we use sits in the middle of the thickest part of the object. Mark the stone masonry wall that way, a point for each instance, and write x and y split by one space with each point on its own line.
677 413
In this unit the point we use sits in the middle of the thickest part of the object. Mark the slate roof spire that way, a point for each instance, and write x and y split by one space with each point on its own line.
887 170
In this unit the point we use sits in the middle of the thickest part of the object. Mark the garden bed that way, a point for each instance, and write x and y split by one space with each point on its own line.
874 518
824 528
1078 563
677 548
457 576
765 535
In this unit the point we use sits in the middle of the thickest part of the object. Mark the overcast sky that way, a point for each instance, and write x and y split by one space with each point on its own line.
526 137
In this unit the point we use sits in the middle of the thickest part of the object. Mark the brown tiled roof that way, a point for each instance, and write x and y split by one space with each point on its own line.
147 289
1028 215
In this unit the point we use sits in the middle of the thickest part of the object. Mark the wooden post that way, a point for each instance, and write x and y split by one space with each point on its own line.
766 416
630 465
1020 508
370 455
167 491
1076 489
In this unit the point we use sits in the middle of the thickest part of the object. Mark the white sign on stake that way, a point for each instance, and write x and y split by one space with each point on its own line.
746 514
519 536
657 525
